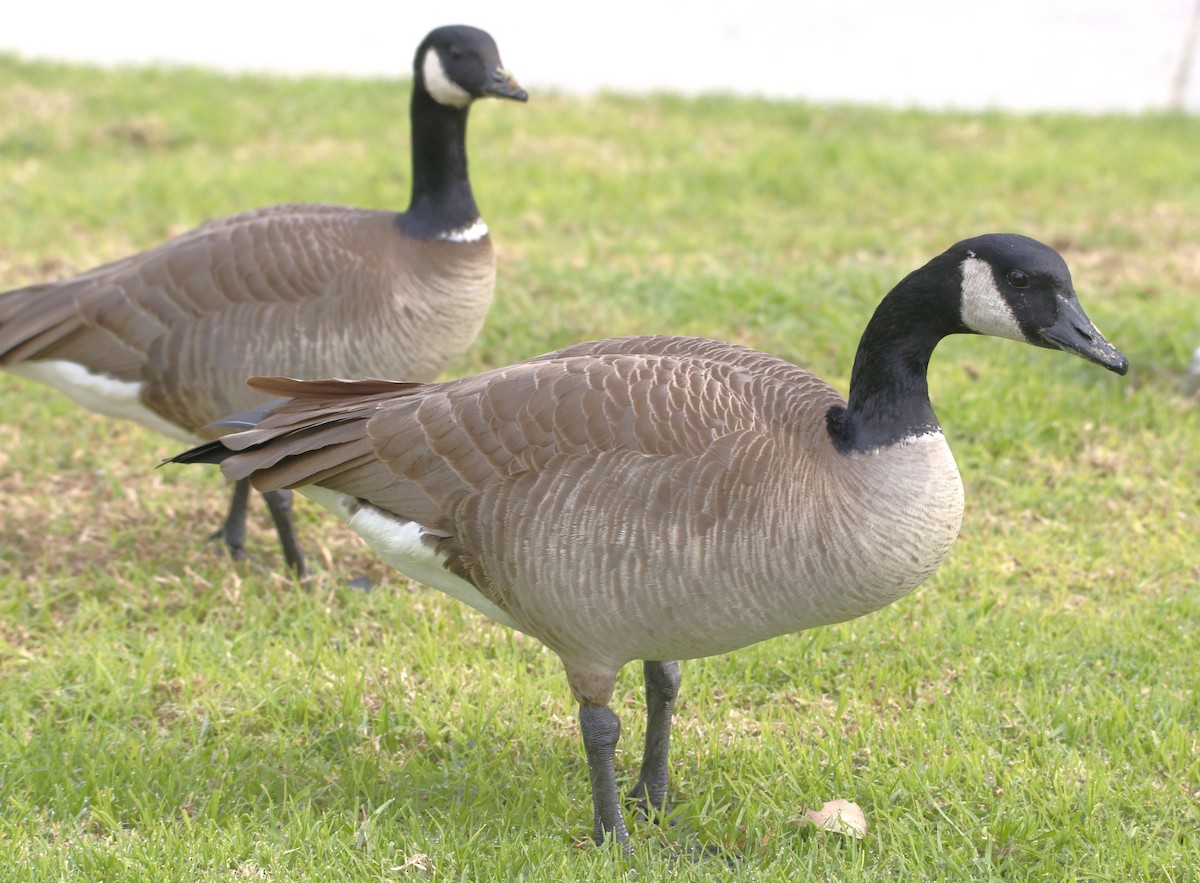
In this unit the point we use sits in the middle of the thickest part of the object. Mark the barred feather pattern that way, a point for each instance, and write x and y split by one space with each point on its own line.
306 290
640 498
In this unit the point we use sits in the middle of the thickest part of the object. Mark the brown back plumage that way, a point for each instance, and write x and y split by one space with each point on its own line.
454 439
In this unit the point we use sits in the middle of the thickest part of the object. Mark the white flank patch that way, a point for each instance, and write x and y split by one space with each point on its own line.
100 393
984 309
399 544
471 233
443 89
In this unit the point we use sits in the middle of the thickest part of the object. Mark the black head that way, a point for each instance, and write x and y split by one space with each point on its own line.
1017 287
1000 284
456 64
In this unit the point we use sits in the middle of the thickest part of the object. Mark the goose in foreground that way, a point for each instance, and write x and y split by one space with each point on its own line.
168 337
662 498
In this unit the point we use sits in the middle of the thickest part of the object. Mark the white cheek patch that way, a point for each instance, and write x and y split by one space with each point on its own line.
984 309
441 87
99 393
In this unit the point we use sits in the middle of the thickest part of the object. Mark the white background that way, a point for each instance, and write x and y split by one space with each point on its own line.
1091 55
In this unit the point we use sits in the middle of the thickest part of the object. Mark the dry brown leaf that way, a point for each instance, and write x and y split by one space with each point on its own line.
420 861
839 816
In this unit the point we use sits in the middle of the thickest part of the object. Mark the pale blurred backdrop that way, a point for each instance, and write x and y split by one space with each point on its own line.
1088 55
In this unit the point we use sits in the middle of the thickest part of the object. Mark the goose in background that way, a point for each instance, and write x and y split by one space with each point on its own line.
664 498
168 337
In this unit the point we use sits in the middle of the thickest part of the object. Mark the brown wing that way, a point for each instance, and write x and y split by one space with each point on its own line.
469 458
742 358
108 317
306 290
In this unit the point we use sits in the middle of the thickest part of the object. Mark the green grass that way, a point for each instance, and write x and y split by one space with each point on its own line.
1030 714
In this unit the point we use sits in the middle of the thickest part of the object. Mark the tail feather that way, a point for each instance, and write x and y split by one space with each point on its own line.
209 452
317 431
241 421
290 387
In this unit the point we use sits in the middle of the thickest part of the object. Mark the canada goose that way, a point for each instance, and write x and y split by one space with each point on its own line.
663 498
168 337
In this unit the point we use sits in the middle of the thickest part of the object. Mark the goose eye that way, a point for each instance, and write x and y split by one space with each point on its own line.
456 53
1018 279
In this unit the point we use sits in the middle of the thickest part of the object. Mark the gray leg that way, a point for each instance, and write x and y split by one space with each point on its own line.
280 504
601 729
232 531
662 686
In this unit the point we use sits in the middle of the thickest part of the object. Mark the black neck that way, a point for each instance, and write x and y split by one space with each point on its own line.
441 191
889 389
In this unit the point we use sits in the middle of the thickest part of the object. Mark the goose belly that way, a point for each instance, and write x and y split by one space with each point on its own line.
99 393
814 556
399 543
438 313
